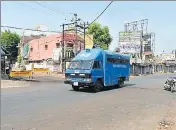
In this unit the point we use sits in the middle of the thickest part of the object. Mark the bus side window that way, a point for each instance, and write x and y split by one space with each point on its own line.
122 61
118 61
96 65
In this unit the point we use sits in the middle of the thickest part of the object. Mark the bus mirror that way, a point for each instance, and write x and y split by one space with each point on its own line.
87 50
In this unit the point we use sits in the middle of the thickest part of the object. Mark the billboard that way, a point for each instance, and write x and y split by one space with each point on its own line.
130 42
127 47
130 36
88 40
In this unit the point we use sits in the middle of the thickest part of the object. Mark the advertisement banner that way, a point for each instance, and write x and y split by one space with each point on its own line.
88 40
129 42
130 36
129 47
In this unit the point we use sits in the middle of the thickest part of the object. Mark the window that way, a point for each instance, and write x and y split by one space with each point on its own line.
117 61
83 64
46 47
31 49
96 65
57 45
114 60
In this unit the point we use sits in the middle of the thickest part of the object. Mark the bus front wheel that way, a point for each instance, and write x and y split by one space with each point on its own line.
98 86
75 88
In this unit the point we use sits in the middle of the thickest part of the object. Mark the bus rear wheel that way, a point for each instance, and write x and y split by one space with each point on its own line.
75 88
121 83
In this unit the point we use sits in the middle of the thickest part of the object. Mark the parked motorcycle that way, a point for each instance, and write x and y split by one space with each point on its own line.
170 84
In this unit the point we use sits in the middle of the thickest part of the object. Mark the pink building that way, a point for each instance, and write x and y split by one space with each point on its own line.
42 48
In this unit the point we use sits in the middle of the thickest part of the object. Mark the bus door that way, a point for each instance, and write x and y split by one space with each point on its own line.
109 71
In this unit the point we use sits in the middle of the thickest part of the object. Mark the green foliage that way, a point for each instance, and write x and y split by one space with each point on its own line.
9 41
19 59
101 35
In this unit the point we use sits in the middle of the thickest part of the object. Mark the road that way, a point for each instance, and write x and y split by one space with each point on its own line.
139 105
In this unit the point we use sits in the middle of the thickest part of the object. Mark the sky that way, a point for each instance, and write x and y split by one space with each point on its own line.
161 17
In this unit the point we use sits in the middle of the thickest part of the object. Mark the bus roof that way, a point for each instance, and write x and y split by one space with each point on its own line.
89 54
96 53
117 54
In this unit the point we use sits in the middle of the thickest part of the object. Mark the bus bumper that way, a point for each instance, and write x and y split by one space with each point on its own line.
79 83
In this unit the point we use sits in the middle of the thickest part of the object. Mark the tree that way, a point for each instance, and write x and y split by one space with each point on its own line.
9 41
101 35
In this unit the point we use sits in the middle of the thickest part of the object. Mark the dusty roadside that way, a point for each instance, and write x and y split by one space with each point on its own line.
26 81
13 83
38 77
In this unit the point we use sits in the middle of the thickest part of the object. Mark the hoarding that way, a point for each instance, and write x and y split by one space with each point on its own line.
88 40
129 42
130 47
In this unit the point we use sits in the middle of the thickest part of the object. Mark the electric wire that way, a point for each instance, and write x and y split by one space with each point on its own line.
101 13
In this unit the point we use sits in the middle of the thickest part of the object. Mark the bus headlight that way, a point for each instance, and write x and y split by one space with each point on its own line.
68 79
88 80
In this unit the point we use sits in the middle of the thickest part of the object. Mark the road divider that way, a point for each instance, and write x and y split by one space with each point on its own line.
20 73
41 70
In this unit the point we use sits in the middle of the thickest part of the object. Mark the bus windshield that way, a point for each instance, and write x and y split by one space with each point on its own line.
82 64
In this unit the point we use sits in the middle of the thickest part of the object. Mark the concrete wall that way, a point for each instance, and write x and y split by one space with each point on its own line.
38 51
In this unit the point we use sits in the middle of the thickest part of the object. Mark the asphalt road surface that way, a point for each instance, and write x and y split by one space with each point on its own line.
140 105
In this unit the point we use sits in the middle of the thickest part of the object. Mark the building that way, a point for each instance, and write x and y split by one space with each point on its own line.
167 56
42 49
167 60
25 40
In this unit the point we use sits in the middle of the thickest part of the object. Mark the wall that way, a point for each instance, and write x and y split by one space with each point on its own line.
38 51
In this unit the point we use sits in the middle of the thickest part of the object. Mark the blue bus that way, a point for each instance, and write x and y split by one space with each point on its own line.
97 69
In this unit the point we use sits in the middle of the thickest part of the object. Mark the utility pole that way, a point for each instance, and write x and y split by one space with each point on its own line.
74 23
63 50
63 44
22 44
84 35
141 44
76 19
63 41
84 32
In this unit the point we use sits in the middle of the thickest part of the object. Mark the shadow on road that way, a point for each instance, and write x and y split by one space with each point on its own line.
89 90
169 90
